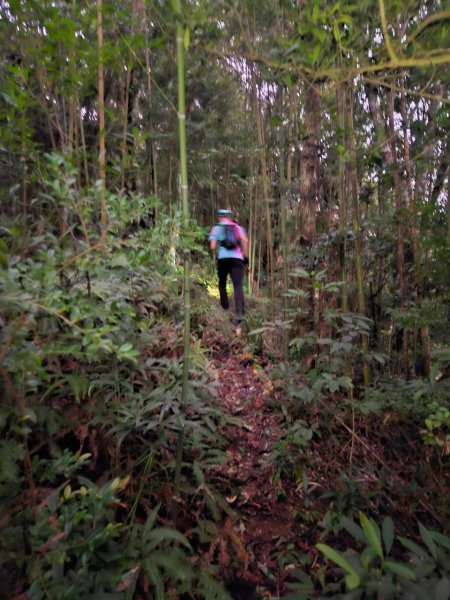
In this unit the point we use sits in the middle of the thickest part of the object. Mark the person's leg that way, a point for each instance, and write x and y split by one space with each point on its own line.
237 277
223 269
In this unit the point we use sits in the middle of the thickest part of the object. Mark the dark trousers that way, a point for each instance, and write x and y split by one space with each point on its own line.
235 268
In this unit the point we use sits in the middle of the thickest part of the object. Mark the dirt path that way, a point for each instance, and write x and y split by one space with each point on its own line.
263 524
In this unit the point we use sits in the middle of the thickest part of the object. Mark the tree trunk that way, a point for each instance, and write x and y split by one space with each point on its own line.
309 166
83 147
251 218
185 206
265 190
387 144
290 141
101 115
340 97
399 228
282 191
424 333
448 202
427 156
126 103
357 227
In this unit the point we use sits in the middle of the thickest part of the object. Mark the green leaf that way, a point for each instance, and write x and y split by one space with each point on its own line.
258 331
353 529
165 534
372 533
287 80
212 589
400 570
79 386
388 533
366 557
345 19
353 580
9 100
337 558
186 38
441 539
315 53
300 273
315 12
150 522
336 32
428 539
155 577
415 548
3 260
275 121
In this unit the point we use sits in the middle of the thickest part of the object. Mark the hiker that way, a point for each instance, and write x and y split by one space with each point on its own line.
232 256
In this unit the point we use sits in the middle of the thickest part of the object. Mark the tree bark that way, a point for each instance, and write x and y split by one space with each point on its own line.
387 143
399 227
424 333
309 165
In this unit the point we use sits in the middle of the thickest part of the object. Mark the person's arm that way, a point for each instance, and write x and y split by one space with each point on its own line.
213 239
244 243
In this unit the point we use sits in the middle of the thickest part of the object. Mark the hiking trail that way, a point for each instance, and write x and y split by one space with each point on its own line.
261 525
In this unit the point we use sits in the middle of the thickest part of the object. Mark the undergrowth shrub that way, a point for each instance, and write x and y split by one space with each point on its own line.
377 571
386 449
91 362
377 563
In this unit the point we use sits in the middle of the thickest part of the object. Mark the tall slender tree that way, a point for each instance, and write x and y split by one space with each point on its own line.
101 114
399 219
180 37
424 333
357 226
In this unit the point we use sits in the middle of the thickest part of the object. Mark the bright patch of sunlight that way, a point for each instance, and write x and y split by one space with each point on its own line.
212 289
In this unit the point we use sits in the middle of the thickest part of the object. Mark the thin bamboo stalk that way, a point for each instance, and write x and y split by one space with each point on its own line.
125 125
282 186
185 205
83 147
399 228
340 97
357 227
424 333
101 115
251 218
265 190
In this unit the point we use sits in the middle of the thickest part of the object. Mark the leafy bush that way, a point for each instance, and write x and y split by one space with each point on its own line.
376 571
91 365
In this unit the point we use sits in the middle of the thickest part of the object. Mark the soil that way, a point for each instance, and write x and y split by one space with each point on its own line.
263 523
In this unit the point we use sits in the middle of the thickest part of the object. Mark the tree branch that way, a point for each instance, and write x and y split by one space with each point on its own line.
384 29
440 16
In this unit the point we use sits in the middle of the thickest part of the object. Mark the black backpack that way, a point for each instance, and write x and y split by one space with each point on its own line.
230 240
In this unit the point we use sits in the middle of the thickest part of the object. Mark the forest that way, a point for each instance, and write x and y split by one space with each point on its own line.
152 446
